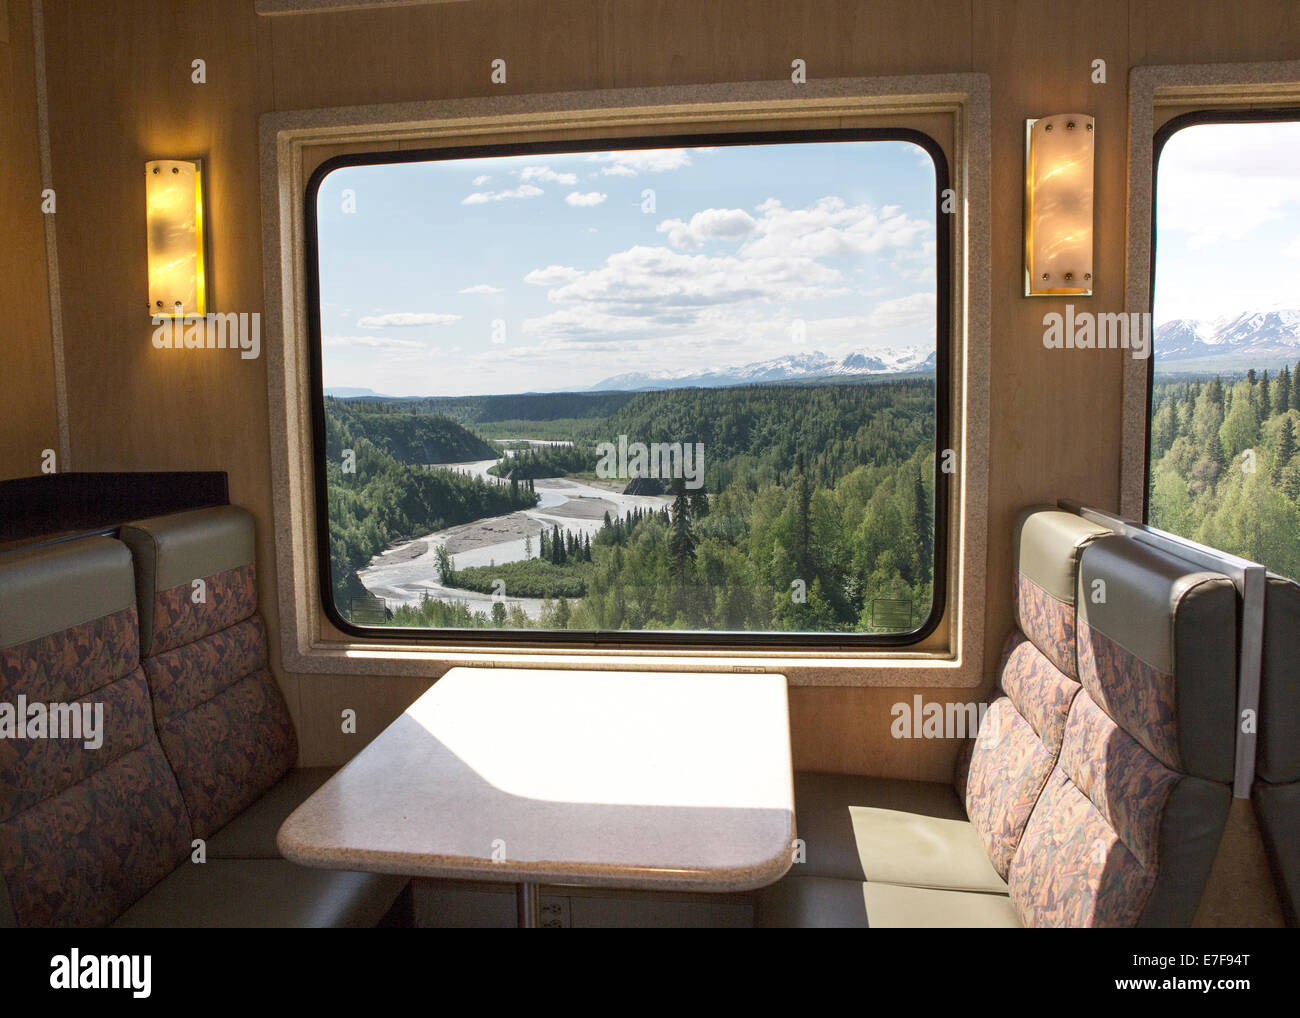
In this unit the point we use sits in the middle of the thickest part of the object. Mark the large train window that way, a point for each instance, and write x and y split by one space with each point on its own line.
1224 438
660 390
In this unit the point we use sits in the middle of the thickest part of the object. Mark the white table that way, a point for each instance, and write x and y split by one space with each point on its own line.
652 780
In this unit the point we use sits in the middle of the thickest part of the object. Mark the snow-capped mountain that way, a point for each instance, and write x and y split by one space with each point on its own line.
1250 336
815 364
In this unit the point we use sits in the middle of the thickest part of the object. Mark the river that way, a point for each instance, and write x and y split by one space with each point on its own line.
404 573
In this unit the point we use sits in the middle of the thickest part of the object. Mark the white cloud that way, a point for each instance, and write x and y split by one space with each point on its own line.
711 224
481 179
375 342
481 288
405 319
658 287
831 227
630 163
522 191
553 275
585 200
916 310
548 175
1292 250
1218 182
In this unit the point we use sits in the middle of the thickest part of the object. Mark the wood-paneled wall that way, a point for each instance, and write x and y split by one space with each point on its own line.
28 421
120 94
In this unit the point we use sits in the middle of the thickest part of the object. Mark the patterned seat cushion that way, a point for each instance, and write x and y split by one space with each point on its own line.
1048 543
1017 747
222 720
87 826
1126 829
1003 773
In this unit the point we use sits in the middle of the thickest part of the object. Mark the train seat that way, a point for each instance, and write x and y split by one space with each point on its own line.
189 746
1128 826
221 718
1112 739
959 836
1277 772
87 825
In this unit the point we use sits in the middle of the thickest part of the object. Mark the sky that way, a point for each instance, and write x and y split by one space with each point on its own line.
1228 221
553 272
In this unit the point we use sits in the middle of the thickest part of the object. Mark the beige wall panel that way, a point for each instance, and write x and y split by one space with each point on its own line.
1055 428
27 405
1175 32
121 94
848 731
378 702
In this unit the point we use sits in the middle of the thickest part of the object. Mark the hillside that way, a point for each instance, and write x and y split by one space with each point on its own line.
415 438
526 406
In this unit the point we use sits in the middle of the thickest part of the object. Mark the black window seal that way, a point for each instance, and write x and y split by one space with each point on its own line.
645 640
1194 118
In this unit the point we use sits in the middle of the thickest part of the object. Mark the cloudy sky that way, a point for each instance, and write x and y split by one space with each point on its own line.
1228 221
556 258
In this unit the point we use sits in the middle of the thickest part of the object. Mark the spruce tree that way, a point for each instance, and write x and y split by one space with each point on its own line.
681 543
924 553
802 550
1265 400
1285 449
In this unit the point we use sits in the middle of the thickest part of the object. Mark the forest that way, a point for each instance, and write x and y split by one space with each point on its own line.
818 504
377 498
1224 464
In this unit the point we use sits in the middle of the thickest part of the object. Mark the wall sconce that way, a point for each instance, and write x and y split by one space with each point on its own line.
1058 205
174 215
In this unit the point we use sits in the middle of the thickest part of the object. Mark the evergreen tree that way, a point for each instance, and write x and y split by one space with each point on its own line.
921 529
699 503
1284 390
1295 387
1265 400
802 536
681 543
1285 449
1250 377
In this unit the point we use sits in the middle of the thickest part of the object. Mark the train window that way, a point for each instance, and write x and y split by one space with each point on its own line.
675 390
1224 417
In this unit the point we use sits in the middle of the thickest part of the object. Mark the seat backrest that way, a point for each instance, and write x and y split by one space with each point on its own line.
1020 736
91 819
1127 826
221 717
1277 771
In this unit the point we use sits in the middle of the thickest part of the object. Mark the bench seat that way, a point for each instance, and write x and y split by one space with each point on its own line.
885 830
263 893
251 835
830 903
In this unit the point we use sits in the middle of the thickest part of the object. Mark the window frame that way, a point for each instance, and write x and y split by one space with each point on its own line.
1162 135
669 640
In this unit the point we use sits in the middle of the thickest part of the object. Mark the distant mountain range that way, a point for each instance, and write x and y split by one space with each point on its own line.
814 364
343 392
1252 339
